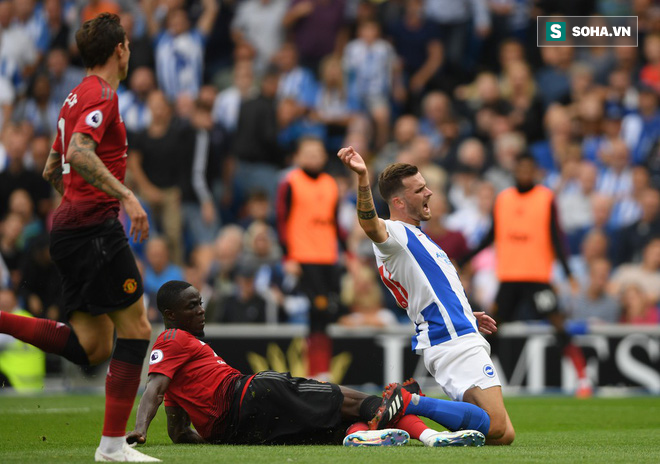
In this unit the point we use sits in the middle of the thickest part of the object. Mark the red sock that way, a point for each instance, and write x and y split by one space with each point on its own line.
50 336
412 424
357 427
577 357
319 353
121 384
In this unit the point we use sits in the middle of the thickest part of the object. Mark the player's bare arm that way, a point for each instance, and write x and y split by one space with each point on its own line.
178 426
153 396
82 156
372 225
53 171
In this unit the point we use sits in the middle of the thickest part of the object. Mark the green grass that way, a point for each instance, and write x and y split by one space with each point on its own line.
49 429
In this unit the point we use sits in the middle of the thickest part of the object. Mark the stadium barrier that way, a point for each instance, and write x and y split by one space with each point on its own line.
620 358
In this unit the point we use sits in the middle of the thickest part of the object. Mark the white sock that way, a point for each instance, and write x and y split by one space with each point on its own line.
427 437
111 444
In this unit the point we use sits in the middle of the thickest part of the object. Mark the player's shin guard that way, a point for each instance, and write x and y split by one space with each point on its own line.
49 336
122 383
453 415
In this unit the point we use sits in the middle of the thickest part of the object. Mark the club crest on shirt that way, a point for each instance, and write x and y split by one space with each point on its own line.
94 119
130 285
156 357
489 371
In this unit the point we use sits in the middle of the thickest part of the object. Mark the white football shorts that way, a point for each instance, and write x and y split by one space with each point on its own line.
460 364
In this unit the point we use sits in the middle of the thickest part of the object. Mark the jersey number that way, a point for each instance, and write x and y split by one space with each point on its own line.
66 167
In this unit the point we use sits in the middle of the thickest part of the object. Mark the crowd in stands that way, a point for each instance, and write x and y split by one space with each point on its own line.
220 91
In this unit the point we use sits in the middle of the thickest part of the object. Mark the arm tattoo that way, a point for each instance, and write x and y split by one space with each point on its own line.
81 155
366 215
365 203
53 171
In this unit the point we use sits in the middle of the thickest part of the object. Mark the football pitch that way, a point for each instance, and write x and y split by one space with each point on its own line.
45 429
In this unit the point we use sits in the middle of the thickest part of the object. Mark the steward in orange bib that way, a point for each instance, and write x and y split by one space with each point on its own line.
527 240
307 204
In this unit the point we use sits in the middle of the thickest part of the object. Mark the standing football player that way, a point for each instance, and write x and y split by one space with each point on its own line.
101 284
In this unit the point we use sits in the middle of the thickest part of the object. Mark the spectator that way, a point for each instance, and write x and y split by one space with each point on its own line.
258 209
631 240
593 304
615 180
650 74
63 76
17 176
474 220
18 53
645 274
12 246
641 129
362 294
417 42
21 204
520 90
95 7
228 247
179 49
41 284
507 147
636 307
370 68
228 101
455 20
575 205
158 270
155 166
255 158
406 129
553 78
142 46
315 27
451 241
295 82
258 23
133 105
437 111
59 33
40 110
244 306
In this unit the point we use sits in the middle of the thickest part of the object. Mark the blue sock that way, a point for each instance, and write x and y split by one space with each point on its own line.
454 415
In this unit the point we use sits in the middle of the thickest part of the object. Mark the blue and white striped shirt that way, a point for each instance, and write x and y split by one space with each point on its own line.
425 283
180 62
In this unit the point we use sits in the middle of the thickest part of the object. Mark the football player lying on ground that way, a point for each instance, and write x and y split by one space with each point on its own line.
226 406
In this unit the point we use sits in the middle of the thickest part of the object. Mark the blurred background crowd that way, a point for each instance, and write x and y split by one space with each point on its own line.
220 91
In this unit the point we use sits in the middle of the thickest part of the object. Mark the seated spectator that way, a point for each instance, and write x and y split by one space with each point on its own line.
41 285
362 294
22 366
645 274
451 241
421 151
507 147
593 304
575 205
228 101
158 269
436 111
474 221
227 251
406 128
631 240
465 178
553 77
12 246
615 180
21 205
636 307
245 305
557 122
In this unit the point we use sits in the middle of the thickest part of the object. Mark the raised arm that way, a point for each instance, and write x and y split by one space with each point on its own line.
372 225
206 20
178 426
81 155
156 387
53 171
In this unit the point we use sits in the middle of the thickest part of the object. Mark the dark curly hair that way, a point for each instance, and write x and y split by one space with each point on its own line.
98 37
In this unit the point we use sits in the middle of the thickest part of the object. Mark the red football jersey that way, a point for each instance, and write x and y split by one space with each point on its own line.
201 382
91 108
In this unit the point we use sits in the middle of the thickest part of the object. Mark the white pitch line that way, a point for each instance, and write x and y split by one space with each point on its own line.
46 411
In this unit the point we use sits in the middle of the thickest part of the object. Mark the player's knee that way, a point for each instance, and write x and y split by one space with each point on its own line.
508 436
99 353
497 428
